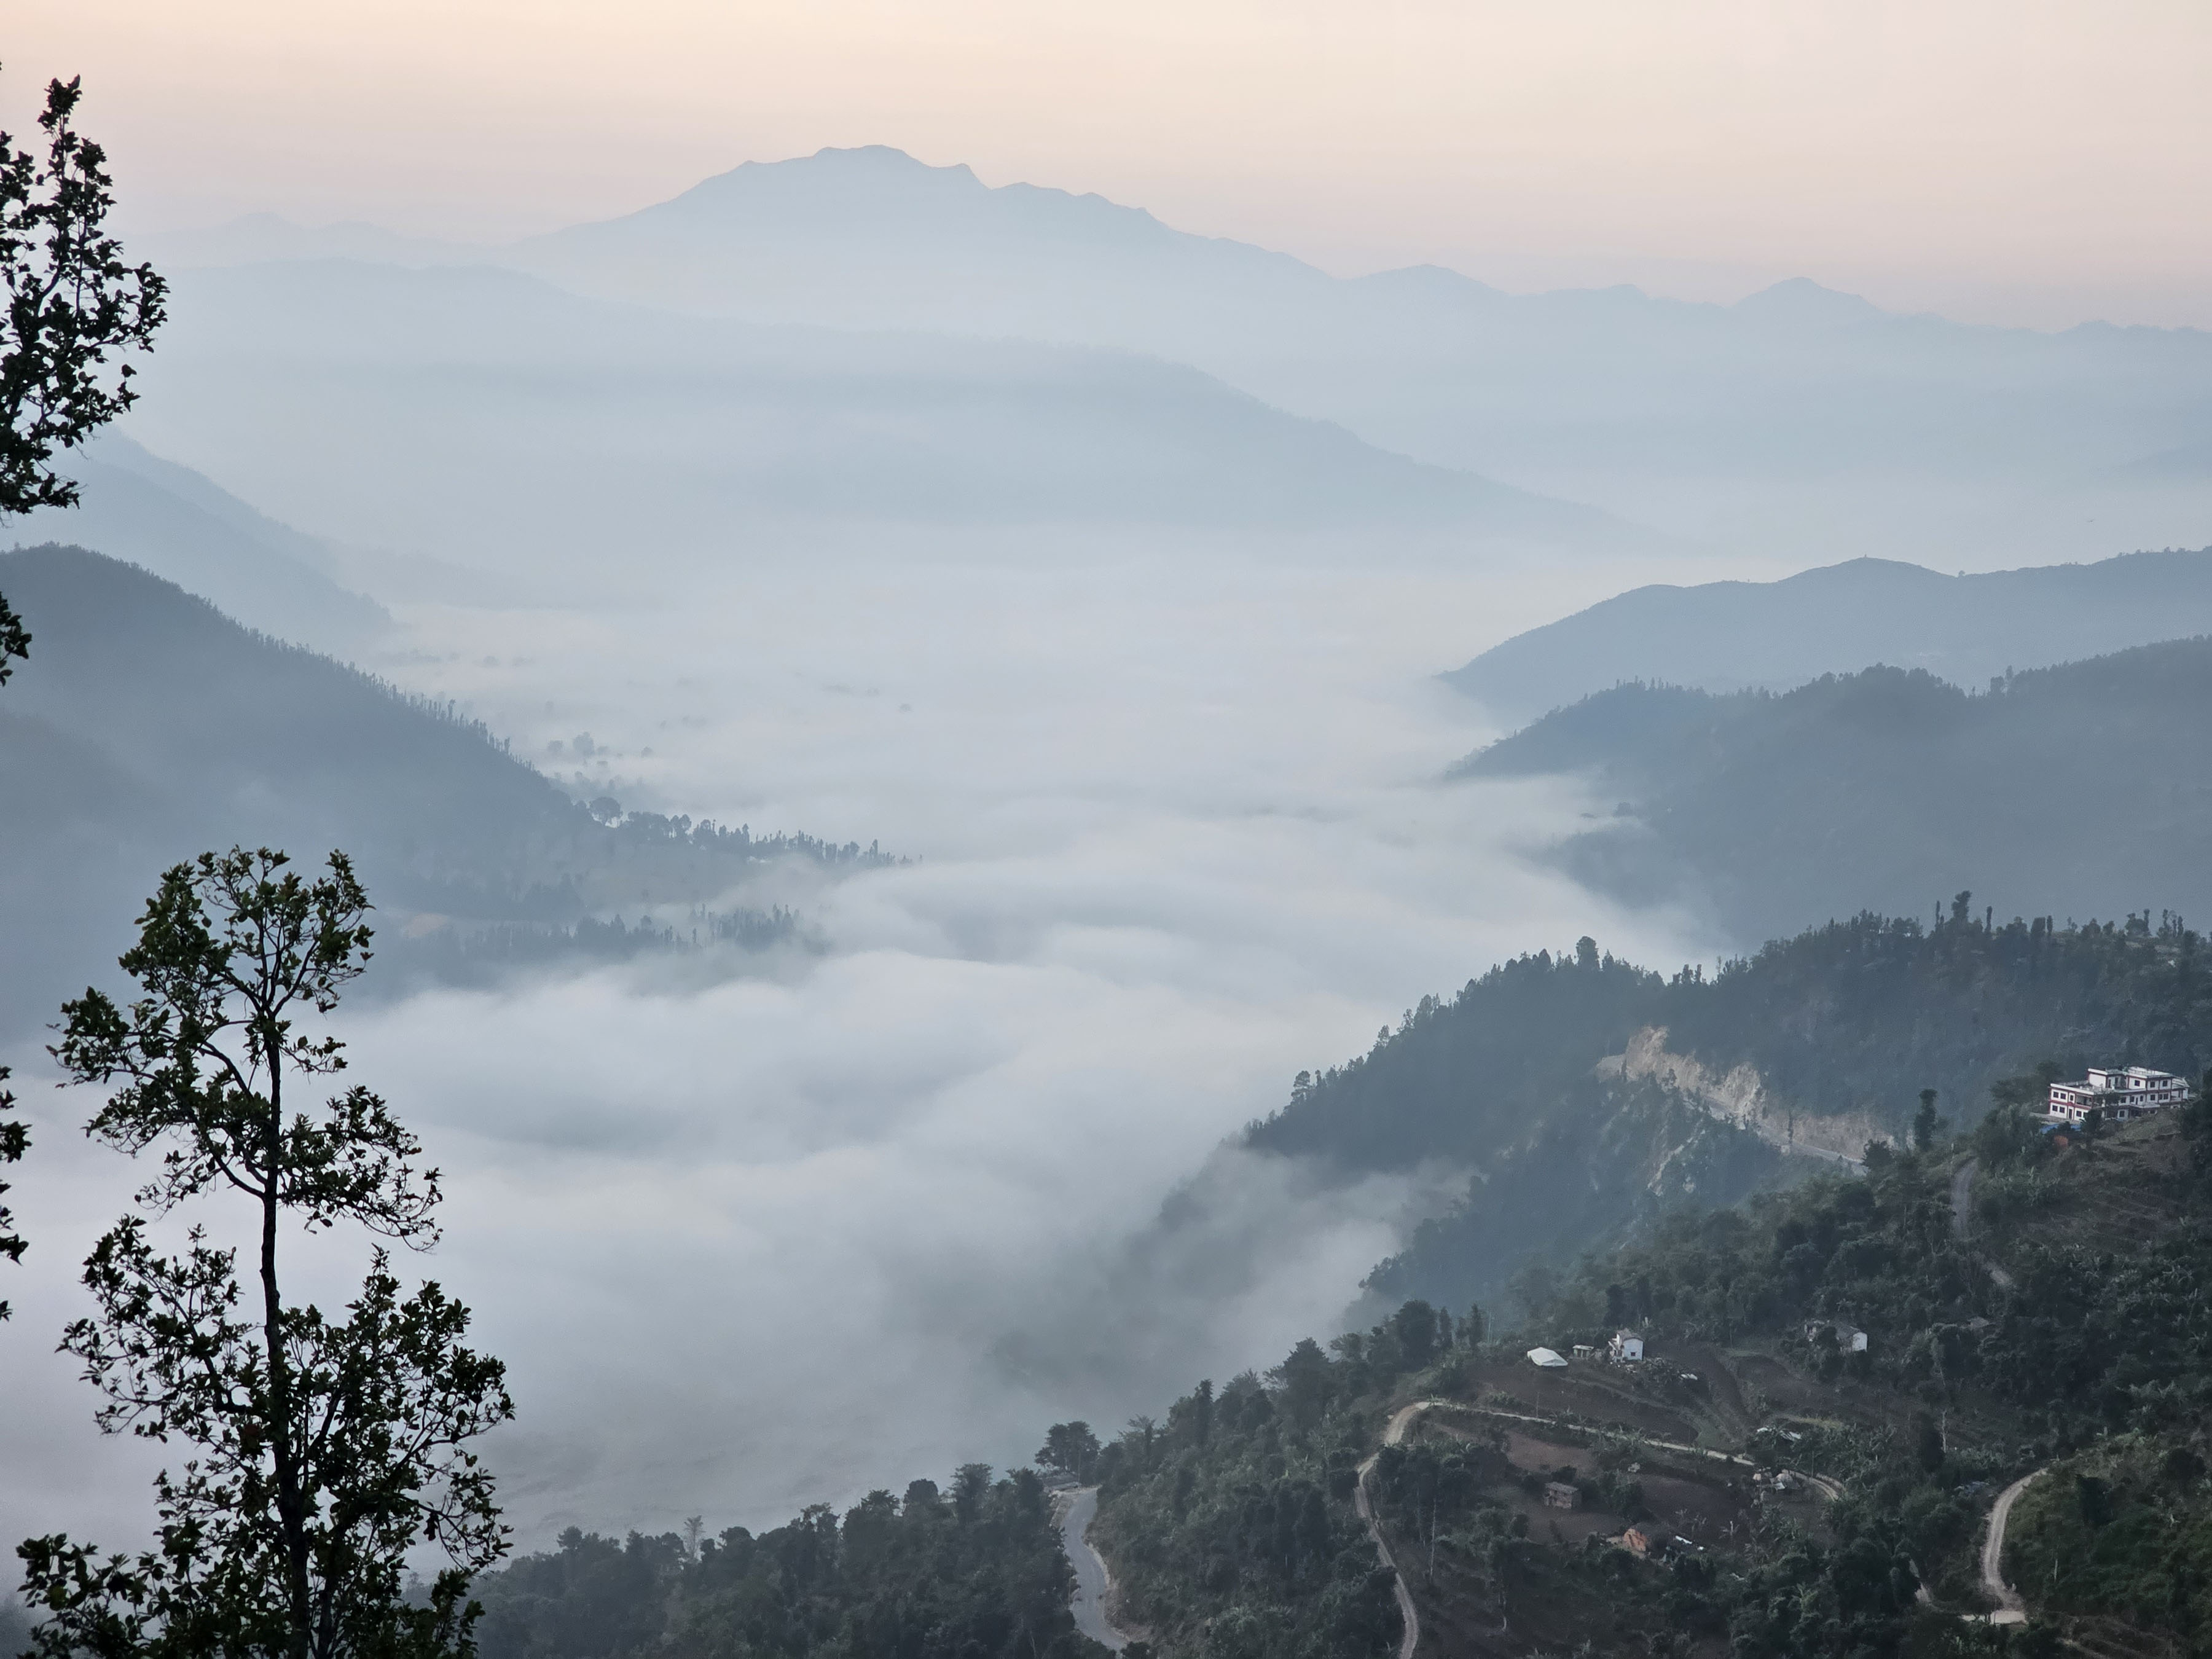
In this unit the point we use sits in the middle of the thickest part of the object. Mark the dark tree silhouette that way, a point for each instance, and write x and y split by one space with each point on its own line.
13 1139
72 305
1071 1449
325 1448
70 302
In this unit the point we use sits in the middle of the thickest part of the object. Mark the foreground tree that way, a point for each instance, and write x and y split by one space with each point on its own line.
71 303
325 1449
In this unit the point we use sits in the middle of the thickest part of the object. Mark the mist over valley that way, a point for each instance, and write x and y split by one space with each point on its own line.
977 807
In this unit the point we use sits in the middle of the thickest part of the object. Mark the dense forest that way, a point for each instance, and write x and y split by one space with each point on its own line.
2083 789
1519 1078
975 1572
1230 1526
111 770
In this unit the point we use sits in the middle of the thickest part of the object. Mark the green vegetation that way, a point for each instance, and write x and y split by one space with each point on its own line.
2090 1349
1231 1527
2066 1323
1847 1023
324 1451
974 1573
2123 1530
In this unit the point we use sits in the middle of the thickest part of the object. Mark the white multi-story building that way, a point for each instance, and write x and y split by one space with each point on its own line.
2119 1093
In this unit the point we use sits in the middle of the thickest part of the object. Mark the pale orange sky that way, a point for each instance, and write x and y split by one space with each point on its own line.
2005 159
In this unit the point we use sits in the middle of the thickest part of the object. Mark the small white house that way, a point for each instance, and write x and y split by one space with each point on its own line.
1849 1338
1549 1358
1626 1348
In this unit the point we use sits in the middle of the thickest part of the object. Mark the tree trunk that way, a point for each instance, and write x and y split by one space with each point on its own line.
291 1504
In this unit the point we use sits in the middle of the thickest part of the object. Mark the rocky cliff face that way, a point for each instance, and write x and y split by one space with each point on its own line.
1741 1096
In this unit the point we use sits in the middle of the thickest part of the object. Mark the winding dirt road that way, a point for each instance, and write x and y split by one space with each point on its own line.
1962 1193
1402 1420
1391 1437
2011 1610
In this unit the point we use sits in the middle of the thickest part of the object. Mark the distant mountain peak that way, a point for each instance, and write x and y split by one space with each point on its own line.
1801 300
838 195
887 157
832 167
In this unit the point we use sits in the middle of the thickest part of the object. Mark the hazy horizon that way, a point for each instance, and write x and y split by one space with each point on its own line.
1981 163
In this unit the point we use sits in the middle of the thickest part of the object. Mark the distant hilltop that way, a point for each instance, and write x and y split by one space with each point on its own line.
1740 636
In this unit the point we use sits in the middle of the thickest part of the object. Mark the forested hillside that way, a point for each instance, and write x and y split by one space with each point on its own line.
1757 1485
1586 1095
976 1572
2046 1306
2084 789
146 725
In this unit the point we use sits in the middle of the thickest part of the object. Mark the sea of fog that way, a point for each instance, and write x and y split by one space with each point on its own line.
751 1234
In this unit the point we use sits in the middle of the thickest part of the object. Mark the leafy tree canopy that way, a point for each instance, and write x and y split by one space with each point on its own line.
325 1449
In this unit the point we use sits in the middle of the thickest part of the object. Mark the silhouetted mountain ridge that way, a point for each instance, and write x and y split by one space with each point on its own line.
2083 789
148 727
1798 416
1733 636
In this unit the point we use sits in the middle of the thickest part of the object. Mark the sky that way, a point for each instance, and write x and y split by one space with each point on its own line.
1995 159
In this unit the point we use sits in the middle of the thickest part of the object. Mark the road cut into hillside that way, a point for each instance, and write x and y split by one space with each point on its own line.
2011 1609
1400 1423
1094 1582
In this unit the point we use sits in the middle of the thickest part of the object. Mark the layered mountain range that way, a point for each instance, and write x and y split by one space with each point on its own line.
1798 419
148 727
1968 628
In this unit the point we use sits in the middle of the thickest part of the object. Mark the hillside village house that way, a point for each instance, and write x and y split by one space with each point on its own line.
1627 1347
1849 1338
2119 1093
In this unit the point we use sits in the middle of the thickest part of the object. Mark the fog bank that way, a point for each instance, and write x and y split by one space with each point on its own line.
848 1217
